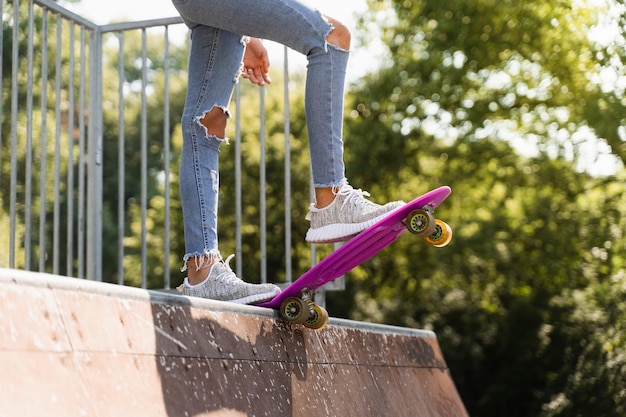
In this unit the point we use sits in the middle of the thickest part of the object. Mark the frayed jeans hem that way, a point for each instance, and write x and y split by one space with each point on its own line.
205 258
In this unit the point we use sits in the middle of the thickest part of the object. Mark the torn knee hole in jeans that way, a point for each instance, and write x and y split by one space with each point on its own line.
331 29
213 121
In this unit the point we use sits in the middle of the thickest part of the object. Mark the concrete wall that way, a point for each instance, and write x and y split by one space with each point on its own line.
71 347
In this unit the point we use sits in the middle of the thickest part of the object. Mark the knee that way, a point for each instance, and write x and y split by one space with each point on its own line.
340 35
214 122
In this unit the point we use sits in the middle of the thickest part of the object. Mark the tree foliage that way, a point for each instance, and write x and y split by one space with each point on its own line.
504 102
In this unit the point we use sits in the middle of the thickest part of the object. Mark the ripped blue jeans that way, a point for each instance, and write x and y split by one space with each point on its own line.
217 47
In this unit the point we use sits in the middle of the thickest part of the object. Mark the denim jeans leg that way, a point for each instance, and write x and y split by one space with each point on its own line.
214 65
326 76
303 29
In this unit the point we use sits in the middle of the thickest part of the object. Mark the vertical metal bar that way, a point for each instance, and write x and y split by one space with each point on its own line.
70 157
14 109
320 297
263 181
94 163
166 161
56 238
43 177
144 159
287 133
1 83
28 172
80 222
121 144
238 179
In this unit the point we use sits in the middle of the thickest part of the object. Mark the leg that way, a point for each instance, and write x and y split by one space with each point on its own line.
214 61
214 65
324 102
214 122
325 42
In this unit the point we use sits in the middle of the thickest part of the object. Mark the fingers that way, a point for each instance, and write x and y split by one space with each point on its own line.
256 63
256 76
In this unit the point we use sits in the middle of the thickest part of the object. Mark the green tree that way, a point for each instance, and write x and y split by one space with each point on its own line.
495 99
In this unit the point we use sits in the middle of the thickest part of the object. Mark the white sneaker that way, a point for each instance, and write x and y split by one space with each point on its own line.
222 284
348 215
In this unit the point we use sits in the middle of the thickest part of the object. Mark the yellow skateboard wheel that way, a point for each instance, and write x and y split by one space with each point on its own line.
441 236
318 318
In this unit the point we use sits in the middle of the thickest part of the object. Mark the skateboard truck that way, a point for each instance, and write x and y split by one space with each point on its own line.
303 310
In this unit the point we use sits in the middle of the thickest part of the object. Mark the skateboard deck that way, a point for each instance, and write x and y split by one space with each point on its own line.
295 301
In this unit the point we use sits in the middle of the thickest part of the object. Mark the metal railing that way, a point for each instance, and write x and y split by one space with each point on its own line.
30 127
52 143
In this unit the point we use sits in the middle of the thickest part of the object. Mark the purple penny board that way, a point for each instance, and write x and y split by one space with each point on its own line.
360 248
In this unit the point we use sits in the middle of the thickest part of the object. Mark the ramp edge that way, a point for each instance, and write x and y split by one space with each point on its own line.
50 281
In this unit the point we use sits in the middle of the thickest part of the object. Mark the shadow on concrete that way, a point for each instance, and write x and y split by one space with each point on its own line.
211 361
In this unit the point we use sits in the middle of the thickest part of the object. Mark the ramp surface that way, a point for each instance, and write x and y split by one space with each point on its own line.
71 347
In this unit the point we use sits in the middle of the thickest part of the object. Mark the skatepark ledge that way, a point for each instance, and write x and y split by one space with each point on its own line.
71 347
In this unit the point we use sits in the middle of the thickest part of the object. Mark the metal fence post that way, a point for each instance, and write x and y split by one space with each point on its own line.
94 158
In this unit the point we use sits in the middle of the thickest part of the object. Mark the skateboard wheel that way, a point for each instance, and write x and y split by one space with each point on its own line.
421 223
295 310
441 236
318 318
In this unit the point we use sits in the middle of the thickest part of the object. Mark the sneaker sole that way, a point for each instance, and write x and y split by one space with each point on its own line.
251 299
256 298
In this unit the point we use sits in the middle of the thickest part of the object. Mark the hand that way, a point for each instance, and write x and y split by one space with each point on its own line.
256 63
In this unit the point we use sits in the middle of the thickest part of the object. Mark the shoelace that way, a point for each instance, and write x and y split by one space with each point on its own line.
227 261
228 274
353 196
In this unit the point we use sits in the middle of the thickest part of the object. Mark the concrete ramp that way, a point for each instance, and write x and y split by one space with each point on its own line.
71 347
